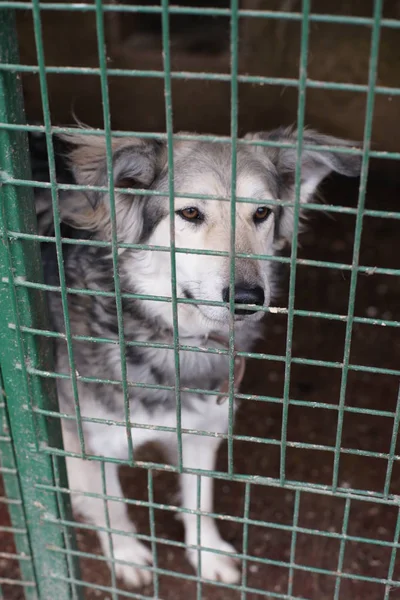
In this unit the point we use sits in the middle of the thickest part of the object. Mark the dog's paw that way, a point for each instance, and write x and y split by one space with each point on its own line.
217 567
133 551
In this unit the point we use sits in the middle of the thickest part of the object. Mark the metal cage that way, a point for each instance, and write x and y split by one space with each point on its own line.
36 492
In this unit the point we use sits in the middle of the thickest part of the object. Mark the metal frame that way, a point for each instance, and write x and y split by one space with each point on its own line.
33 466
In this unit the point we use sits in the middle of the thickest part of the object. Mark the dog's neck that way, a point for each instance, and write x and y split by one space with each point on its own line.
239 361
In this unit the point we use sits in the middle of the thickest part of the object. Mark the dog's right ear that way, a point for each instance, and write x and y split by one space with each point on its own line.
315 165
136 164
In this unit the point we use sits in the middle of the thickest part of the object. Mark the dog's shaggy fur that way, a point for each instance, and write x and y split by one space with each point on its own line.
199 168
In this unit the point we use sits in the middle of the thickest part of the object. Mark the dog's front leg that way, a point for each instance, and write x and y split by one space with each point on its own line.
86 482
199 452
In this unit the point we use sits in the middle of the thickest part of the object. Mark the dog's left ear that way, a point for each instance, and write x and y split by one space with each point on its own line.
316 164
135 165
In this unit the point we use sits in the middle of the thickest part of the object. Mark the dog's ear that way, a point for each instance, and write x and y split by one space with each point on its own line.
135 162
316 164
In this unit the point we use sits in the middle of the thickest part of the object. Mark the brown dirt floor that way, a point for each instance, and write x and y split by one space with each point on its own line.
317 289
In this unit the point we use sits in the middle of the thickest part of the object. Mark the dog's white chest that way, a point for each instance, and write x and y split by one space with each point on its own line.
160 426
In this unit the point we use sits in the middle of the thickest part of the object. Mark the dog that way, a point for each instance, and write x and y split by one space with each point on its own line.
263 173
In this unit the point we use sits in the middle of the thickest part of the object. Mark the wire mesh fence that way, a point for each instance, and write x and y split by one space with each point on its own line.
49 553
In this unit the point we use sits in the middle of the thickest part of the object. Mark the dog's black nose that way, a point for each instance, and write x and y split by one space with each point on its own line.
245 295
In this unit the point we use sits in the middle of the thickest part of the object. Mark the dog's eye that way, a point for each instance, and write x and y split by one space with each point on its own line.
261 214
190 214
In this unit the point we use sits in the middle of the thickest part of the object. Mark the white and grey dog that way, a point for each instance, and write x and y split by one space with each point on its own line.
200 168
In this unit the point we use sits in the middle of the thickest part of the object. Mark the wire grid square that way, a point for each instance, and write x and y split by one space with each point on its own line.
291 564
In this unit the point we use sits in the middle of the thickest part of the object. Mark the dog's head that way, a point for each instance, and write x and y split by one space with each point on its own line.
263 173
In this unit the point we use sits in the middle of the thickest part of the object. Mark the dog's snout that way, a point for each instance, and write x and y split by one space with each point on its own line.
245 295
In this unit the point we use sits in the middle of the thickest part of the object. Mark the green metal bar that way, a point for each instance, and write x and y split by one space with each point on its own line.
393 445
299 361
295 528
389 586
150 490
101 49
305 25
241 520
200 349
8 581
218 139
326 208
171 197
97 587
222 436
199 585
56 213
223 586
187 10
373 71
245 520
274 310
368 270
111 560
234 42
245 547
189 75
23 307
266 562
9 474
69 535
342 549
352 493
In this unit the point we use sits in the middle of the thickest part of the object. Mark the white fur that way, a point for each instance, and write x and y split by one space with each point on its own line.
199 452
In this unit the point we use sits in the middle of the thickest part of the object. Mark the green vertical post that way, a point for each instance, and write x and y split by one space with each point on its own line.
171 198
20 306
9 474
234 45
372 79
301 107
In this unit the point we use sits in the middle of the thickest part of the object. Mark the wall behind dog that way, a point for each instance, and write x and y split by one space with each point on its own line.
337 52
